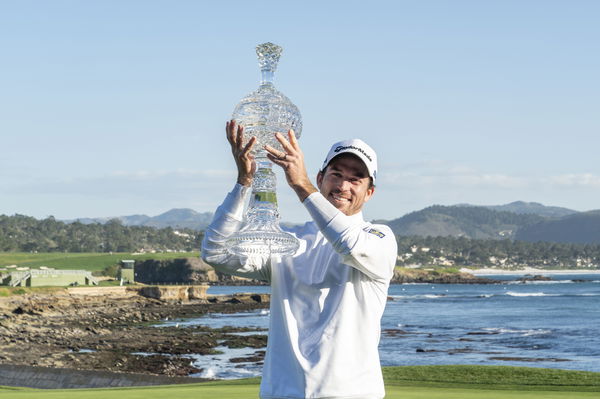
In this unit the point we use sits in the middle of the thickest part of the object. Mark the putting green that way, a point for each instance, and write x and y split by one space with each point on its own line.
416 382
203 391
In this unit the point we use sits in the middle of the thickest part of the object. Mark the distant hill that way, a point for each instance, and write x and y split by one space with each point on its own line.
533 208
19 233
176 218
185 218
462 221
526 221
581 228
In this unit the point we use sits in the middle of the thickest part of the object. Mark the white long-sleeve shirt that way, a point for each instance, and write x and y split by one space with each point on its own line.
326 300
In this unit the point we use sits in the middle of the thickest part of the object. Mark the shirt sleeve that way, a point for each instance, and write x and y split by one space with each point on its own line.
228 220
372 249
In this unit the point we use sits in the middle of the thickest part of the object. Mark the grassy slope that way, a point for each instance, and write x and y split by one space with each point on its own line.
432 382
84 261
498 377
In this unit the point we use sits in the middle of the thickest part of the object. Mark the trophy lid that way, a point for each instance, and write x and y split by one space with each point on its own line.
267 111
268 56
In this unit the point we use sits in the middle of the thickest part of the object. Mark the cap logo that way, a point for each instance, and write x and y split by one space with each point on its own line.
351 147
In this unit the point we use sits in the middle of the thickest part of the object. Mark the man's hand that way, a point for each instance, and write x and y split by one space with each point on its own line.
292 162
241 153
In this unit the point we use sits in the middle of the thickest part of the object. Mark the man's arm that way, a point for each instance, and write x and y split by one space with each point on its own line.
228 217
372 251
227 221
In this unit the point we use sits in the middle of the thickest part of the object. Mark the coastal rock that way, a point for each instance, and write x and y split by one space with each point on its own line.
394 332
258 356
421 350
249 341
186 271
174 293
538 277
411 276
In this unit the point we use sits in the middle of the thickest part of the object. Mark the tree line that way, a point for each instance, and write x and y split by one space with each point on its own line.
463 251
21 233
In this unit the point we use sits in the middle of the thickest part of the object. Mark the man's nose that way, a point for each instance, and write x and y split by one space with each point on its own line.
345 185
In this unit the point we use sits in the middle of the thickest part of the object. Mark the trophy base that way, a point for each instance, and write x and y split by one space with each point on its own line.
257 242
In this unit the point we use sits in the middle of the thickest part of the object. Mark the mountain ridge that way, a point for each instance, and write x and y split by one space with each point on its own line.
175 218
518 220
522 207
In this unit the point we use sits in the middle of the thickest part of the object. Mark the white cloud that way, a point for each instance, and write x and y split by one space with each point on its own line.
141 183
442 173
575 180
438 174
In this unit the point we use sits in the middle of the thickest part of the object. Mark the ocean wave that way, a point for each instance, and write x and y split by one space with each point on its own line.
422 296
523 333
485 295
219 365
522 294
539 294
540 282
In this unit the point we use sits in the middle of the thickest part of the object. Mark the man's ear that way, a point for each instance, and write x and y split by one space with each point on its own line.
370 192
319 180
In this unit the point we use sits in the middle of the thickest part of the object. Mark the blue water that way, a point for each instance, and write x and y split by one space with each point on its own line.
544 324
555 325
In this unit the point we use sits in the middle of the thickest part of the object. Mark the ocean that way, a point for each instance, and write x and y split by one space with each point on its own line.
554 324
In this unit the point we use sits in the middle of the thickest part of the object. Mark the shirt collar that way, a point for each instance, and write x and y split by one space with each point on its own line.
356 216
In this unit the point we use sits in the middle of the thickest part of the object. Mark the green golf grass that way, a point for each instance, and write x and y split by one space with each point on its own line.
84 260
417 382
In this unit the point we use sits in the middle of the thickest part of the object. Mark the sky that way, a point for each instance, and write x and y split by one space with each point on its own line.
111 108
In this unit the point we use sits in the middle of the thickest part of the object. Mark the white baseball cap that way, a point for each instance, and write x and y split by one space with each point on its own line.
356 147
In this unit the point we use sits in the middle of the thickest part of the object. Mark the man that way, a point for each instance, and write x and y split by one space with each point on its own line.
328 298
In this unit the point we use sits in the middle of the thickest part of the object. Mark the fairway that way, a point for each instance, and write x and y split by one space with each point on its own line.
419 382
89 261
207 391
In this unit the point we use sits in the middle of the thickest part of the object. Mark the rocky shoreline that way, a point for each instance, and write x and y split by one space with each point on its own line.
420 276
195 271
117 332
115 329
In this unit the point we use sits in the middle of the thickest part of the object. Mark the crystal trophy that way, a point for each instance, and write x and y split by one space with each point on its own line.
263 113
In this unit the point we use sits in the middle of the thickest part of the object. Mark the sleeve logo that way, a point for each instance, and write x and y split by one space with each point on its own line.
374 232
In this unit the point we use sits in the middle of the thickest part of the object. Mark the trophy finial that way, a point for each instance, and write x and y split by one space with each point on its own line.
268 56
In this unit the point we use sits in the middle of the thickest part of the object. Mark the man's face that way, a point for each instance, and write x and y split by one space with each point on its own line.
346 183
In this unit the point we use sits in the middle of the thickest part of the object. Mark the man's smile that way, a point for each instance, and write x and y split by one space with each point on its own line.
339 198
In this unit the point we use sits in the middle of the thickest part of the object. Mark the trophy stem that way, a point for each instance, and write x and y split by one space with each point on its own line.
267 76
263 203
261 233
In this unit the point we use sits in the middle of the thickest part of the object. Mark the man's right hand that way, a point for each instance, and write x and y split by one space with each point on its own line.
241 153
